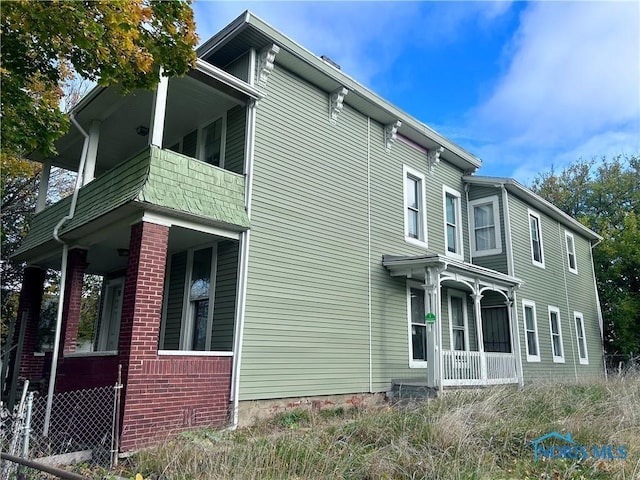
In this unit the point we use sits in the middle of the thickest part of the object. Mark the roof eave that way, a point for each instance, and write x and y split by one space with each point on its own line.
536 200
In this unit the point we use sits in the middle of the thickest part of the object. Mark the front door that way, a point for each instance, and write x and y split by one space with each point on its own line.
495 329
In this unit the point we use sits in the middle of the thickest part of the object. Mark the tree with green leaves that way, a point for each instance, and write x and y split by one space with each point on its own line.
605 196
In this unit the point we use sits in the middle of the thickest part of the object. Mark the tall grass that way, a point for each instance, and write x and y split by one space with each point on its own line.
462 435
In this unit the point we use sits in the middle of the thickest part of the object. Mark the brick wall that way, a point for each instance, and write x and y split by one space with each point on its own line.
173 394
162 395
76 266
29 307
80 373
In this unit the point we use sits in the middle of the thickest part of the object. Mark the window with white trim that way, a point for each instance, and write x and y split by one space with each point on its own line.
535 235
206 143
415 219
452 223
582 341
458 322
571 252
555 327
417 326
531 331
485 222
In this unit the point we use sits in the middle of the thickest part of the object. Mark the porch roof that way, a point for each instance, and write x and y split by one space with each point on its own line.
414 266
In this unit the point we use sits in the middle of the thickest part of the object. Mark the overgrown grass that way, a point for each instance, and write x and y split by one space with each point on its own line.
465 434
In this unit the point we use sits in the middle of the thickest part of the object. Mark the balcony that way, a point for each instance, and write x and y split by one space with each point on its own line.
154 180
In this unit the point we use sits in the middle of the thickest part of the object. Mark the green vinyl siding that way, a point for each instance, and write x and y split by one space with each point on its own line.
306 322
174 301
555 286
239 67
225 297
234 145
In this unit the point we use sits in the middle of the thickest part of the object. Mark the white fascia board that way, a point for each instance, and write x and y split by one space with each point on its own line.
355 88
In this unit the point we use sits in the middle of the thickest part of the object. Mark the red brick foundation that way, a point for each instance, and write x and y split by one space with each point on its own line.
162 395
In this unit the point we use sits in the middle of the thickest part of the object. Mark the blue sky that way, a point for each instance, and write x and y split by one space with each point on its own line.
522 85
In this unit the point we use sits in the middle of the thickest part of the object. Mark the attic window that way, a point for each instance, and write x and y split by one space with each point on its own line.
330 62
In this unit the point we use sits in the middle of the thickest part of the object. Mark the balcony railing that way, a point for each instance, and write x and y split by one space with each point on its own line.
478 368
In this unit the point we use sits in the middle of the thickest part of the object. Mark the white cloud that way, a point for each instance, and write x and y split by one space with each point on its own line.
364 38
571 89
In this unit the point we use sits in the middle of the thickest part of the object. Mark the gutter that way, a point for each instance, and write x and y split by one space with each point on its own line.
63 275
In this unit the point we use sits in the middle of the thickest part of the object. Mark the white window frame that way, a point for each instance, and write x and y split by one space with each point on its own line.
414 363
465 316
556 358
493 200
529 304
459 252
187 323
579 318
530 214
571 252
421 241
200 141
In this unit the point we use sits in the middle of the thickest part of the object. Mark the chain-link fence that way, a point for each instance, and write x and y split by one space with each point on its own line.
81 429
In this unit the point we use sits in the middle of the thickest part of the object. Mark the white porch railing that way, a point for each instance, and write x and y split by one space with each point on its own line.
478 368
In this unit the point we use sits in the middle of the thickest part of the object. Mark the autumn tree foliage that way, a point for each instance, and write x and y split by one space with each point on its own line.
46 49
45 44
605 196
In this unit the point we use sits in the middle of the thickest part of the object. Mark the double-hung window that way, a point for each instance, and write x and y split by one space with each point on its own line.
414 207
582 341
571 252
458 321
531 331
557 348
535 233
205 143
485 237
417 327
452 223
189 298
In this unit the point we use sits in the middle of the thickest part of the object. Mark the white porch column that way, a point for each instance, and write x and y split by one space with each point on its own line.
515 334
41 203
477 314
431 297
156 130
92 152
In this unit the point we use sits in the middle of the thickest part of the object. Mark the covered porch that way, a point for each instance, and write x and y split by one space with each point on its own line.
463 324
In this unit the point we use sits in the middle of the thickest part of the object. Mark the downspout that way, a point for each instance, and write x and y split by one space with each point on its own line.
63 275
369 252
243 266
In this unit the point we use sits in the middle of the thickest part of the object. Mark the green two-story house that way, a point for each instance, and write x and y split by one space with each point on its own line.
268 229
